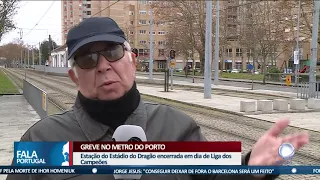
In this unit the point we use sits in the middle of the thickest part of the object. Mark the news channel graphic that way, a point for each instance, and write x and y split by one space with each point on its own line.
126 153
134 171
286 151
156 153
42 153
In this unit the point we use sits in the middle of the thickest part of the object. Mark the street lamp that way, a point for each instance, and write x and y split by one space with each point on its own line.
296 54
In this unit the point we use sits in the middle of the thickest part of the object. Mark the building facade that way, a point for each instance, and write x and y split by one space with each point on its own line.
75 11
134 17
58 57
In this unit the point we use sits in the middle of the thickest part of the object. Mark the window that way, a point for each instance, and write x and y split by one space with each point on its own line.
131 32
232 26
88 5
141 52
143 42
131 13
161 64
161 33
229 52
142 12
153 33
249 52
142 22
88 12
142 31
71 13
238 52
131 22
143 2
161 52
161 43
154 42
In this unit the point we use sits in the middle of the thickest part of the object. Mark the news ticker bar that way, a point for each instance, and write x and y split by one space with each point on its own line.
162 170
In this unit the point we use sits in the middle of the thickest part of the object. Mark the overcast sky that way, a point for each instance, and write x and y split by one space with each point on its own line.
29 13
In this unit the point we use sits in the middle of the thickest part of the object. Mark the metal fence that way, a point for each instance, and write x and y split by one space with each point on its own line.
36 97
53 70
308 90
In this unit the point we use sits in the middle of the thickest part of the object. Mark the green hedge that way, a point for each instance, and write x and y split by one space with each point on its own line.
276 77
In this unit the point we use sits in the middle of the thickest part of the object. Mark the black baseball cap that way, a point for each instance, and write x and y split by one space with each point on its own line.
92 30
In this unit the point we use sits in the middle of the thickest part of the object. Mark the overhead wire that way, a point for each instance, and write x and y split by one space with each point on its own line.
92 15
40 18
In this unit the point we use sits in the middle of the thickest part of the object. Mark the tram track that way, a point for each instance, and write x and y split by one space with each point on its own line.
231 93
214 124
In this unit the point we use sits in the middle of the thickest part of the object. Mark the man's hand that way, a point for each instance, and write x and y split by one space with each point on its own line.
265 151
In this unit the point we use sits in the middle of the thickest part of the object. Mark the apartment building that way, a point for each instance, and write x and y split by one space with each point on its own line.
138 26
237 17
75 11
132 16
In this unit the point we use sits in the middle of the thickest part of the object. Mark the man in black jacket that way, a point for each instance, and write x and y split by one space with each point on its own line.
103 68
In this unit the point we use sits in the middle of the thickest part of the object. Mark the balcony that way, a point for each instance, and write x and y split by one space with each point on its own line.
84 2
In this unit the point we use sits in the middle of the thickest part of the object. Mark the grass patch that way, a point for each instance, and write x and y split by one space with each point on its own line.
6 86
230 75
242 76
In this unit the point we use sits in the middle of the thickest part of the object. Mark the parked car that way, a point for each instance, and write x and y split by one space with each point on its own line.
235 71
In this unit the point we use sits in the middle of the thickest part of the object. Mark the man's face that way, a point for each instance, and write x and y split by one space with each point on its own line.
106 80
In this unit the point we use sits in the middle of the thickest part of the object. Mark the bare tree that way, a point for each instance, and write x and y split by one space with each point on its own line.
262 30
187 24
7 11
306 18
127 29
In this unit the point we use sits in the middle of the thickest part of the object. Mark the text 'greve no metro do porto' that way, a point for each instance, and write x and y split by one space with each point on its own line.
157 153
122 153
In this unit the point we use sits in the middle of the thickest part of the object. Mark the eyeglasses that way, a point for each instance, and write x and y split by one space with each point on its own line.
90 60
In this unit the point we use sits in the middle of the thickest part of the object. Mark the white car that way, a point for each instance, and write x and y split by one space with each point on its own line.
235 71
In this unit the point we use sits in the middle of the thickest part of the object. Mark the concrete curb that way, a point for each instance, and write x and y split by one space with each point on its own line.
223 111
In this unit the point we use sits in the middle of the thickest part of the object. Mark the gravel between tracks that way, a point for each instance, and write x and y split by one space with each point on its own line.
215 125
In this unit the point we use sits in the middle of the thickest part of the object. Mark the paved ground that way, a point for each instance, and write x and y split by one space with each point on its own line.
228 83
16 117
16 107
225 87
305 120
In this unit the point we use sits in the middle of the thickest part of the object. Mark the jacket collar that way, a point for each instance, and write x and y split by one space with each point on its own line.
95 131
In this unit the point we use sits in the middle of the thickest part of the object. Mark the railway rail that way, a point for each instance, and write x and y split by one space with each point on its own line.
231 93
215 125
